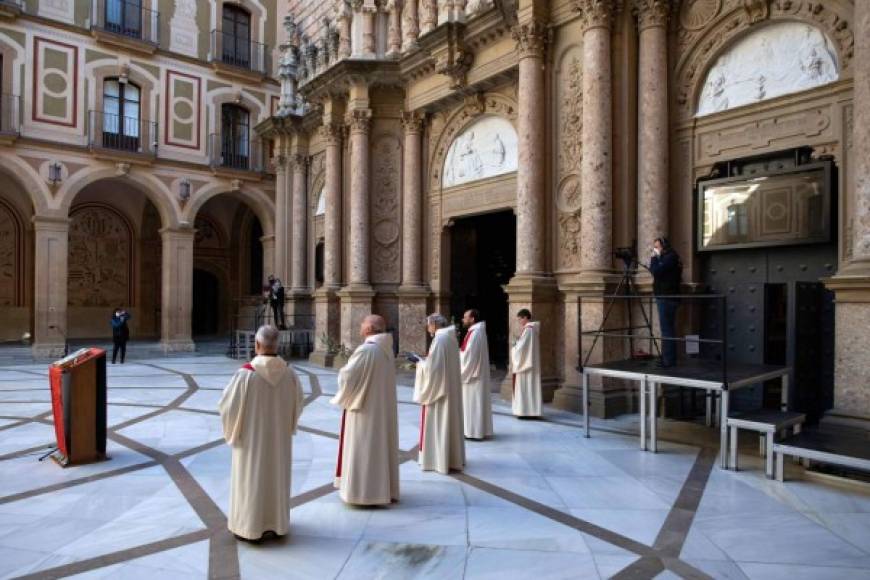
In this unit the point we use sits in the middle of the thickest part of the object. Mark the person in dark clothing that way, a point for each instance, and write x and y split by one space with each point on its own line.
667 271
276 300
120 334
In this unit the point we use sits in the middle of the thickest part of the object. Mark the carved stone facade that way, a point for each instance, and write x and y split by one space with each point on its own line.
101 258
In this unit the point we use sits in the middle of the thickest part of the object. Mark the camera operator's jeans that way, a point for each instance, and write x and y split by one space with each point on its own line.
667 324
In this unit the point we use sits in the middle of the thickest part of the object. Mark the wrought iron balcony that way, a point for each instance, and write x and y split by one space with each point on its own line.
126 22
126 136
10 116
239 54
236 153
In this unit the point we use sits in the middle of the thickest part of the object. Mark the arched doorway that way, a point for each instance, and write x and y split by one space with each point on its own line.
16 261
206 304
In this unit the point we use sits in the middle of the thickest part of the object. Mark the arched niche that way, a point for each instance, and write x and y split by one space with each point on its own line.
485 148
777 59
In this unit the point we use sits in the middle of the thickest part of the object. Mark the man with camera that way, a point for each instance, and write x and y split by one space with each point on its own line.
276 301
667 271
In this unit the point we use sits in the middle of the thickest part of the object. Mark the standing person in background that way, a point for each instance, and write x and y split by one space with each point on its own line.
120 333
667 271
526 363
276 300
476 398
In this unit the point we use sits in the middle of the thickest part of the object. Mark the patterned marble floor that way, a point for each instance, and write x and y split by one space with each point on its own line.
538 501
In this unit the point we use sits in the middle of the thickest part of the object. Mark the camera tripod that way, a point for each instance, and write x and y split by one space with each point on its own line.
624 290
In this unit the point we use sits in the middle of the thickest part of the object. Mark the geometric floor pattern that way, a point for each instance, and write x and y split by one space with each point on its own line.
537 501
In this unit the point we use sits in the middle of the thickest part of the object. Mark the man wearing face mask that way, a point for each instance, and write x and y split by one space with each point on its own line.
667 271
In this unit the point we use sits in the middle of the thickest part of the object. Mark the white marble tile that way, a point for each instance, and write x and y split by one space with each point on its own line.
494 564
612 492
294 558
720 569
611 563
516 528
189 561
639 525
440 525
385 561
26 436
760 571
175 431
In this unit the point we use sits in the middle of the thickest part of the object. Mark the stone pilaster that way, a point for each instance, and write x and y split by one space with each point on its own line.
51 245
410 25
268 242
394 30
531 39
428 15
368 13
852 282
652 194
344 17
177 290
356 297
412 293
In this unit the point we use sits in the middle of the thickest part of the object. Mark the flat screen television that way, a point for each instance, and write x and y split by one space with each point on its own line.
781 208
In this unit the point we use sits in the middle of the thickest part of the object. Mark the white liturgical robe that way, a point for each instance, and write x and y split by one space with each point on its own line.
367 470
526 365
438 388
476 397
260 409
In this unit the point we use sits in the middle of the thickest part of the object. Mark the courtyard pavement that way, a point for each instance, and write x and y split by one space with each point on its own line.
538 501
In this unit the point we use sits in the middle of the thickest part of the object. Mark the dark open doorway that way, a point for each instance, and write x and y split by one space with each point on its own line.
483 260
206 303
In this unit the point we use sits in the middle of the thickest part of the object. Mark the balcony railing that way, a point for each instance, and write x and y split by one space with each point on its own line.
10 115
127 18
239 52
236 153
125 134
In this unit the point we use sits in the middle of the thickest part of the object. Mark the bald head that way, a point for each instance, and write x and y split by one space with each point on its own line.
372 324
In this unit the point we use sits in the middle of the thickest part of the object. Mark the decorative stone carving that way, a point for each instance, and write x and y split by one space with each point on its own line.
756 10
777 60
696 14
454 59
207 234
443 132
100 259
569 191
531 38
359 120
10 241
428 15
595 13
183 37
332 133
412 122
485 149
387 155
475 6
651 13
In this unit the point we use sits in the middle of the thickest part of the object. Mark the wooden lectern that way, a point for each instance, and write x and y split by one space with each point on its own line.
78 403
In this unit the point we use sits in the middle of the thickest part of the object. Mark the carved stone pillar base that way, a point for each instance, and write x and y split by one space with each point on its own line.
412 318
327 326
298 309
539 295
177 345
852 358
356 304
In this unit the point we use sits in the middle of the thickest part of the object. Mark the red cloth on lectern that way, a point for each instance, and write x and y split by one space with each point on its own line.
55 380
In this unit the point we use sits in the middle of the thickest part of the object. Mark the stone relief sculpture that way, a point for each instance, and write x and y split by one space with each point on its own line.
568 193
99 258
777 60
385 211
9 274
485 149
184 32
475 6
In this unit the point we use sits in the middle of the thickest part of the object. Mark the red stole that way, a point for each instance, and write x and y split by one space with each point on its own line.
340 444
465 340
422 425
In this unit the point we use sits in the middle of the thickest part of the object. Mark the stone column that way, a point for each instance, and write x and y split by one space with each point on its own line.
356 297
596 178
269 247
652 191
177 291
584 296
531 39
410 25
344 18
369 47
394 34
327 319
282 219
51 245
412 292
852 282
299 307
533 287
428 16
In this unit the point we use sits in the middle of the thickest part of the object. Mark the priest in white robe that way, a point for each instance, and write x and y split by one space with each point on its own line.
367 470
526 366
438 389
476 396
259 410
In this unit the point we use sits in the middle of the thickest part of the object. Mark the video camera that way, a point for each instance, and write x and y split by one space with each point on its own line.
627 255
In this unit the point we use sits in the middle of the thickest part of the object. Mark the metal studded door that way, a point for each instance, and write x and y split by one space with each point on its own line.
813 349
